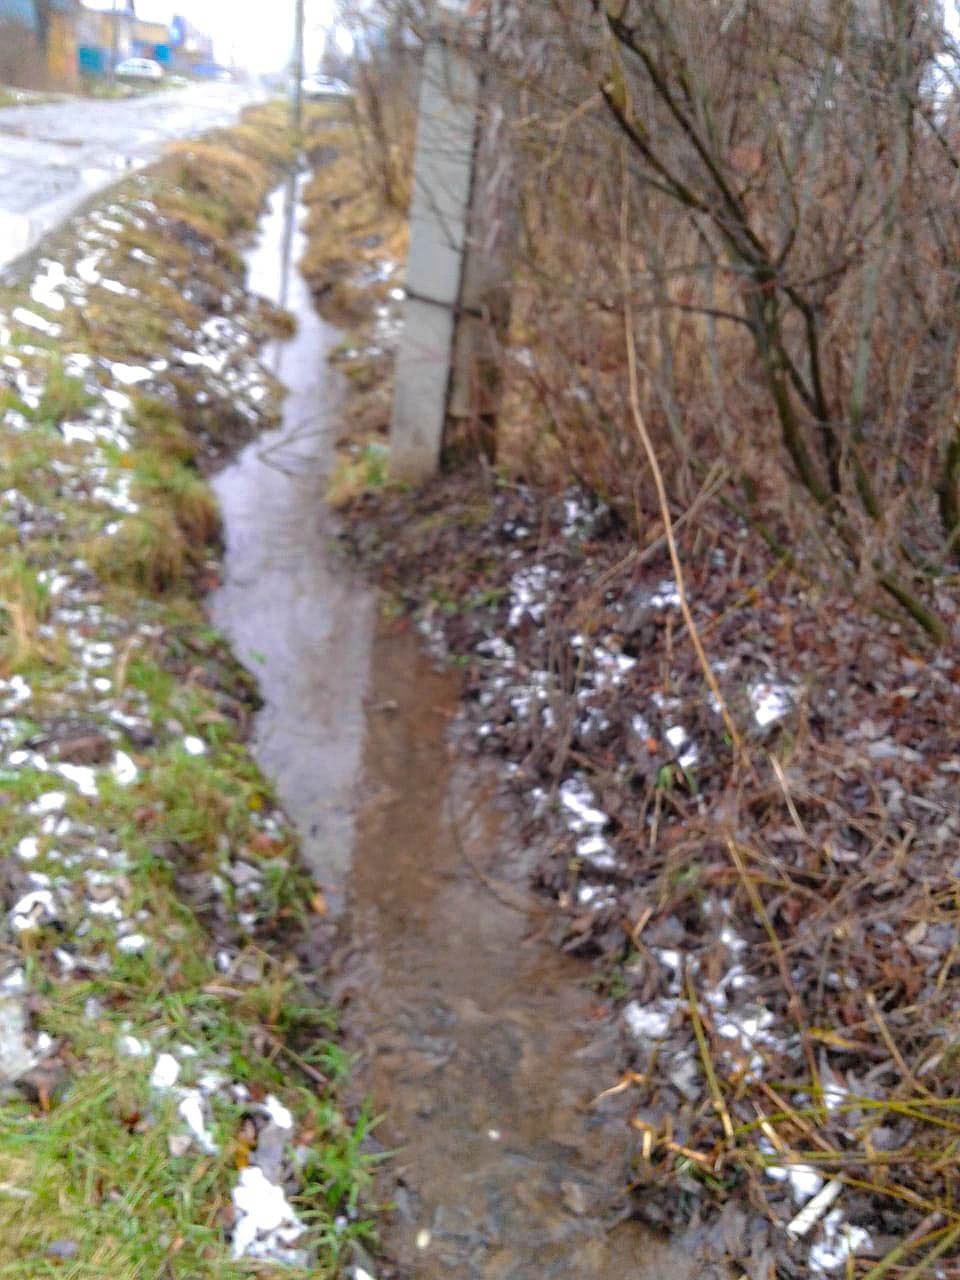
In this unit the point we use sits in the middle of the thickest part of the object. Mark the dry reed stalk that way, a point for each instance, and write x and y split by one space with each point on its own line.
785 976
888 1040
716 1093
665 516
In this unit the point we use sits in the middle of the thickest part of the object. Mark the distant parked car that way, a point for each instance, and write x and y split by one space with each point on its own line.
319 88
139 69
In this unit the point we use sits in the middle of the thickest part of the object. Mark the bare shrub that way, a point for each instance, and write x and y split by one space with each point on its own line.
385 83
781 182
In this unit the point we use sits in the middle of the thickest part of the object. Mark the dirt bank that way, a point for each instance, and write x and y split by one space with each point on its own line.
776 928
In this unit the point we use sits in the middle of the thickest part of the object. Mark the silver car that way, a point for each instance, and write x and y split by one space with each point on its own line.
320 88
139 69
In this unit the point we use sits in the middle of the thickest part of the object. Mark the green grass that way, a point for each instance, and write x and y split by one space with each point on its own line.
365 469
63 398
98 1165
10 97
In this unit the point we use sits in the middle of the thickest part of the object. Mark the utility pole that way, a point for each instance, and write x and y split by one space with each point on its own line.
297 100
439 214
463 229
112 70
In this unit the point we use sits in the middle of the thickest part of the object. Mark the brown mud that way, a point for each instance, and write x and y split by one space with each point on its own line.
476 1036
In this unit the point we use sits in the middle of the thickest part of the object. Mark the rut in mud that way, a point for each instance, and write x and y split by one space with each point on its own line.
476 1039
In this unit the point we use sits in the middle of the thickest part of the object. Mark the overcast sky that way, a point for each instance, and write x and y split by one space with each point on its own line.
256 33
259 33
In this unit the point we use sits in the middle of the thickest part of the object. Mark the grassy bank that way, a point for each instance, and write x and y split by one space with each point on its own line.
356 248
169 1070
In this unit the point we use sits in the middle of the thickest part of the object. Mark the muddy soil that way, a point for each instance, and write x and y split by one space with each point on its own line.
478 1041
477 1038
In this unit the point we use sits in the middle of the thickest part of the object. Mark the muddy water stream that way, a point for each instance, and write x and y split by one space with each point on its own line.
475 1038
293 615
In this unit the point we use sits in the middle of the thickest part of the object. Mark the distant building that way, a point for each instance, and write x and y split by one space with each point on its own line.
38 47
152 40
189 46
96 41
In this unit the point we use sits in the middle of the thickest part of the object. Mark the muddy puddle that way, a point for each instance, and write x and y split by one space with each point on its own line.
294 616
477 1041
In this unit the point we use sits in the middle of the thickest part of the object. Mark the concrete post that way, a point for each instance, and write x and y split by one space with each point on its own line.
443 167
296 106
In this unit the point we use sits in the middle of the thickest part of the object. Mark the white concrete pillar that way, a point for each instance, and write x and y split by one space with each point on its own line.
442 176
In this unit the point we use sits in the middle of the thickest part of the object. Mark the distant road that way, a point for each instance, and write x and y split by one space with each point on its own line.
53 156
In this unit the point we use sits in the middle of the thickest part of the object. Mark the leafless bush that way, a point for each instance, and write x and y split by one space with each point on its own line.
769 192
386 75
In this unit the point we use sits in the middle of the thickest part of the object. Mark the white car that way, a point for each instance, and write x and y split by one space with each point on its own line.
319 87
139 69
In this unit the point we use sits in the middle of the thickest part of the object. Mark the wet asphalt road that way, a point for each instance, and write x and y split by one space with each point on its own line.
53 156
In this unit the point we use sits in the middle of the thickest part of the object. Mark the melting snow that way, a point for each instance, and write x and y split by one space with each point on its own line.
109 909
664 596
133 944
281 1116
49 802
123 769
20 691
190 1110
32 910
30 320
596 896
578 799
118 400
87 268
130 374
14 981
598 852
43 291
166 1072
131 1047
649 1022
82 776
266 1224
28 848
840 1240
750 1028
771 700
527 588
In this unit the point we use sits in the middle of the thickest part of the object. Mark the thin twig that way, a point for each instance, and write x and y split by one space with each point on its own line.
789 986
889 1041
665 516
